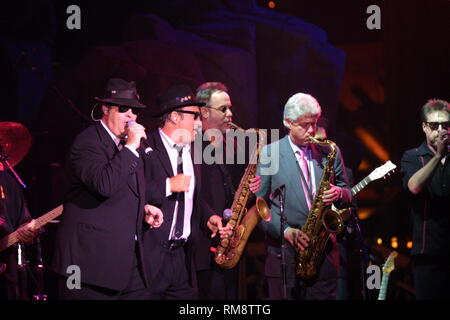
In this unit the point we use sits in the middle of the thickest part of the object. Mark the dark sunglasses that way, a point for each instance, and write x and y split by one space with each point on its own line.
123 109
435 125
222 109
195 113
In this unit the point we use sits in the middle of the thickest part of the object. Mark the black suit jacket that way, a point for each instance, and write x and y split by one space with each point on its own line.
218 181
103 211
157 170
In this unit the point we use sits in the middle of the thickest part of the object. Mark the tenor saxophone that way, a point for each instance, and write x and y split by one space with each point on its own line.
229 250
321 221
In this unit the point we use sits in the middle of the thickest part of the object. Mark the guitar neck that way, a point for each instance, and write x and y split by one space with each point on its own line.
13 237
49 216
361 185
383 288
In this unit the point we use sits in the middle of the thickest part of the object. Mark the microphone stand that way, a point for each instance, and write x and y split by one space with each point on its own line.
364 255
39 272
283 247
22 284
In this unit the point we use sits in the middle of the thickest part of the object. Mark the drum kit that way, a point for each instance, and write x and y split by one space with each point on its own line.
15 142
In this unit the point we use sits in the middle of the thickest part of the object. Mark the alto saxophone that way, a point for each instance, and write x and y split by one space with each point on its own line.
229 250
321 221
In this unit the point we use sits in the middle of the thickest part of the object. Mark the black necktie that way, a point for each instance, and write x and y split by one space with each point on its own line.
180 213
121 144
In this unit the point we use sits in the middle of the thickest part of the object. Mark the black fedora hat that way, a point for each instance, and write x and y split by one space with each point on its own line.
122 93
174 98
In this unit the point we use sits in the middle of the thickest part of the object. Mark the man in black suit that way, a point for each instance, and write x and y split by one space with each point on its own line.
171 168
219 179
99 239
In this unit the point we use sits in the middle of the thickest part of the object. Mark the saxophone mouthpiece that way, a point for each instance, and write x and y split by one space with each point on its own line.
310 139
232 125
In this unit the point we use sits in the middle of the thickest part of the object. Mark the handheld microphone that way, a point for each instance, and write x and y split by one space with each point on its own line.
227 213
278 192
147 148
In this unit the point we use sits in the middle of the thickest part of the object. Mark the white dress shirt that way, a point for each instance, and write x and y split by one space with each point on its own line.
188 170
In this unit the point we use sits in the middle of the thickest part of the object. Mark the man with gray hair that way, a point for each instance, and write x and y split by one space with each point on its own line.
300 166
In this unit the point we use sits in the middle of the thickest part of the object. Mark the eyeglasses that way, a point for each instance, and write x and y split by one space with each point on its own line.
435 125
195 113
123 109
222 109
305 125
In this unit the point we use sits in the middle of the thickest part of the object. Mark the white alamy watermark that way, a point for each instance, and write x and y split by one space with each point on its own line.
73 22
238 148
74 279
373 22
374 277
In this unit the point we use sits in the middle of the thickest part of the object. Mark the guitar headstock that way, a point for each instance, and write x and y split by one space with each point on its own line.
389 265
381 171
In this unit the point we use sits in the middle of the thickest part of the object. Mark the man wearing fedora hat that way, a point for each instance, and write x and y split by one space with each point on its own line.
101 229
170 167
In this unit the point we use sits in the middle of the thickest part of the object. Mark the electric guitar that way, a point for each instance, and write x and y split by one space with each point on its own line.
376 174
13 237
388 267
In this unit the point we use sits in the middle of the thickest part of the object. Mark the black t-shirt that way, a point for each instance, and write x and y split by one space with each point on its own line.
13 211
431 208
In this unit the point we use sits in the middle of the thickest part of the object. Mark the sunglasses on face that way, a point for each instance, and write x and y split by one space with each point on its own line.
123 109
435 125
196 114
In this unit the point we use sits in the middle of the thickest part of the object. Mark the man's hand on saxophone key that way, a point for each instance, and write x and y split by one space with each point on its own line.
331 195
215 225
255 184
296 238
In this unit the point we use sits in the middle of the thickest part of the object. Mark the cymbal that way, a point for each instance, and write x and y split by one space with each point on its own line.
15 141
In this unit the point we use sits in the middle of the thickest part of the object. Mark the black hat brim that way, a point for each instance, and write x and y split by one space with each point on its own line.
122 102
178 106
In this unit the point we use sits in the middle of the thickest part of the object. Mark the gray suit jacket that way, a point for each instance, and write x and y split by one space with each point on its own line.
278 166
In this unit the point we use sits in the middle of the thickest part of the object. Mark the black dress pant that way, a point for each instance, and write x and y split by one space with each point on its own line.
431 277
217 283
172 280
135 289
322 287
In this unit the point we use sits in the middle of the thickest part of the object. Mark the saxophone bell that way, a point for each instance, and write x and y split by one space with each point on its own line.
332 221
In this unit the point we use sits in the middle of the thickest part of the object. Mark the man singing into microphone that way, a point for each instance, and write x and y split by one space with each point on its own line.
426 177
99 240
